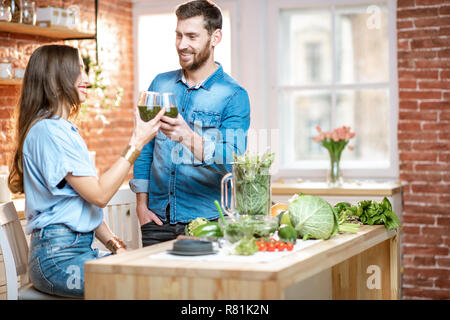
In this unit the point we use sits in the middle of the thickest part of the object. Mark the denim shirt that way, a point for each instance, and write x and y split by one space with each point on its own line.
52 149
218 109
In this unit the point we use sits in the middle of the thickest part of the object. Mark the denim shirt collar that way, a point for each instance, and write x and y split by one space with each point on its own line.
207 83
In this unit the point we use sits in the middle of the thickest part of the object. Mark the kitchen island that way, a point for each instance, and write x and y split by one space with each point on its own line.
364 265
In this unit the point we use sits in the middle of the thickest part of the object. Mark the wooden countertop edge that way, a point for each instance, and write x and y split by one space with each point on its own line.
293 188
300 265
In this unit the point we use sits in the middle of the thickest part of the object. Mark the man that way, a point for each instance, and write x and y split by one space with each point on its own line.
177 176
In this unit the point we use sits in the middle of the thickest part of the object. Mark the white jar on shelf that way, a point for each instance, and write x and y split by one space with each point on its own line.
5 12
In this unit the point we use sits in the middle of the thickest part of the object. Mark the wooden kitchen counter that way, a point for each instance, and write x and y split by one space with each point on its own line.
348 189
133 275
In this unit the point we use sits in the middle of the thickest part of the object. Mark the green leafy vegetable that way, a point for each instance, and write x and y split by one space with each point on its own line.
348 227
250 226
369 212
347 219
251 174
246 247
233 232
313 217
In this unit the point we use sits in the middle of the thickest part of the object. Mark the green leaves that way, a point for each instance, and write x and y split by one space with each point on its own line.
369 212
246 247
252 178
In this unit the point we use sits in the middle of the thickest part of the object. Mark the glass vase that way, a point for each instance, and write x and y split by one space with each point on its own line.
334 178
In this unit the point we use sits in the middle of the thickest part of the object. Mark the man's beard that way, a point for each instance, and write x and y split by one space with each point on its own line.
199 59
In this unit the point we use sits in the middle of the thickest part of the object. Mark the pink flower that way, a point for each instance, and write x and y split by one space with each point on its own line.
321 136
341 133
335 136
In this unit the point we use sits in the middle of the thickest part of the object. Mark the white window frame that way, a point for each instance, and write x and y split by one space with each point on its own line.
351 169
149 7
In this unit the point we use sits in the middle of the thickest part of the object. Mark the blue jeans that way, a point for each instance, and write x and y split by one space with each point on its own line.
57 257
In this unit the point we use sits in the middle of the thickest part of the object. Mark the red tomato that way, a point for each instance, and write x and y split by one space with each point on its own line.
261 246
281 246
289 246
270 246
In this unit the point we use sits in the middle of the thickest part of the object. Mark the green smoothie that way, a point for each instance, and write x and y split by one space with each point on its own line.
149 112
173 112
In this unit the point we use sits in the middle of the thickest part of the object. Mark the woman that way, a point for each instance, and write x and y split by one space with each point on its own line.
51 166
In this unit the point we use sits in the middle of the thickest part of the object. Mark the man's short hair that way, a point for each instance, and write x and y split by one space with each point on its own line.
208 9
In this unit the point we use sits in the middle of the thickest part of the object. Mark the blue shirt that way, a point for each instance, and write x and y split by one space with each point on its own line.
218 109
52 149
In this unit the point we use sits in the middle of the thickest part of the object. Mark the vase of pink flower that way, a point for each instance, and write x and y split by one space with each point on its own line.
335 142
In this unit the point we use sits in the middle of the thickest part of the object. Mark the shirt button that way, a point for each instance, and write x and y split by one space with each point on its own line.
171 193
172 173
182 110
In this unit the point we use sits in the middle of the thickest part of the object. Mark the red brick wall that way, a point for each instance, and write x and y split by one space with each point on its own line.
115 53
424 145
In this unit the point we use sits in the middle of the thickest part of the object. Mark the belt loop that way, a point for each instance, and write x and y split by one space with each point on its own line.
41 233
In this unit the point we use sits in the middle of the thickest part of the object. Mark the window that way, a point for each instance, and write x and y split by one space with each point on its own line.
155 41
333 64
313 61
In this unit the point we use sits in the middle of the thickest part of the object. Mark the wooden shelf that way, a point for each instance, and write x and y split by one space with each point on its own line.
14 82
348 189
60 33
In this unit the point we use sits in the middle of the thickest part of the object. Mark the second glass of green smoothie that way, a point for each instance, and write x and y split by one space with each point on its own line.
168 100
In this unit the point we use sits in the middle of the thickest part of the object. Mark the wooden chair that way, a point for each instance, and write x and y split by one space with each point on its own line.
120 216
14 247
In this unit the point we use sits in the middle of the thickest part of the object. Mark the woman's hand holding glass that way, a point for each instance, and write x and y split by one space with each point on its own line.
144 132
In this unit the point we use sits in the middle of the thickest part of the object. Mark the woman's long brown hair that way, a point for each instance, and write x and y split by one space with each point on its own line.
48 84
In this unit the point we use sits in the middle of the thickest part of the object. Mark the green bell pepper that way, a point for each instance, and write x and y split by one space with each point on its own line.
210 229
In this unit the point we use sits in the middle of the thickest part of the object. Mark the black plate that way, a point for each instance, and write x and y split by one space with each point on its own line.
187 253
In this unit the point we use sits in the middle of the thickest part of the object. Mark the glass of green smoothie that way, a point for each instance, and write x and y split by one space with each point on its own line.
149 104
168 101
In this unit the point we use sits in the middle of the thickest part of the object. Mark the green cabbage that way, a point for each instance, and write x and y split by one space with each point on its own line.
313 217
